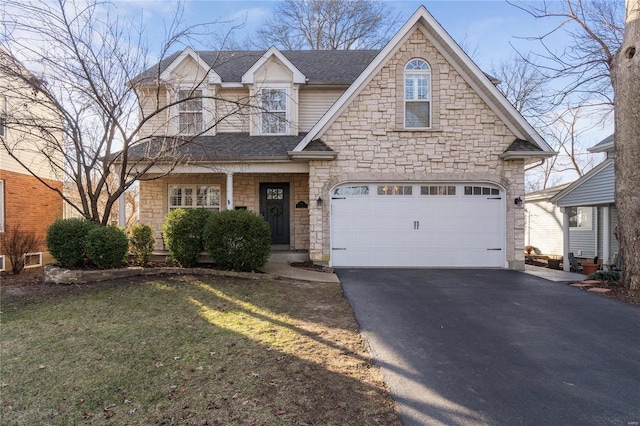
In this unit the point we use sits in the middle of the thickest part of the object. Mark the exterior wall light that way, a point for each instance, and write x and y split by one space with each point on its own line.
319 201
518 202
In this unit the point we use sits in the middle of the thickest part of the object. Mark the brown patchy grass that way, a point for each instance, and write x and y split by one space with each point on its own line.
186 350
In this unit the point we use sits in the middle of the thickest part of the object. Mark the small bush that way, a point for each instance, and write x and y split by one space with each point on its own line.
609 276
238 240
66 240
107 246
141 242
182 230
15 243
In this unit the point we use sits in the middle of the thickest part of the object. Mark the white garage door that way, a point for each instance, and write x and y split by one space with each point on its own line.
418 225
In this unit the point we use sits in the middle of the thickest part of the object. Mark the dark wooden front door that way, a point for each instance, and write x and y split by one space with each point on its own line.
274 207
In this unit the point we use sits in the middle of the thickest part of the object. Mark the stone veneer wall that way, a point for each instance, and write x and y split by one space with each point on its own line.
464 144
154 203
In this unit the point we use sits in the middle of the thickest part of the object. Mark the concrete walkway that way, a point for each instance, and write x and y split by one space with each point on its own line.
286 271
554 274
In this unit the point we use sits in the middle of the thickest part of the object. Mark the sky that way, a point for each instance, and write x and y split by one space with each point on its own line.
488 26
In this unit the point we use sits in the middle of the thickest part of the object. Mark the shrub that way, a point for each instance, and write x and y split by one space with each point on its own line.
66 240
15 243
238 240
141 242
107 246
182 230
609 276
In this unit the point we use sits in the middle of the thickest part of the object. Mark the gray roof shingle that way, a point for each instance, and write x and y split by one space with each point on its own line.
522 145
319 66
228 147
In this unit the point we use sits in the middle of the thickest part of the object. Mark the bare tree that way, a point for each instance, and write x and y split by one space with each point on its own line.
625 77
595 28
73 74
328 25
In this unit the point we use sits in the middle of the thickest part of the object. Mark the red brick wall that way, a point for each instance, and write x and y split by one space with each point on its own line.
30 204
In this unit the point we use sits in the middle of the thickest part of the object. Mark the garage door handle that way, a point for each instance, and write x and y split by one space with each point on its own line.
338 248
416 224
498 249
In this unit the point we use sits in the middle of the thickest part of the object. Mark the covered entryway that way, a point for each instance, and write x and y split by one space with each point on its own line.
418 225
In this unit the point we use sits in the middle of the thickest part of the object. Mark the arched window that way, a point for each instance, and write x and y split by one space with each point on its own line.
417 94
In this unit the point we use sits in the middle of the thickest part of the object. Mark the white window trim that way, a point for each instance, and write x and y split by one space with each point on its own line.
582 228
194 188
3 262
427 73
38 254
2 218
174 96
287 91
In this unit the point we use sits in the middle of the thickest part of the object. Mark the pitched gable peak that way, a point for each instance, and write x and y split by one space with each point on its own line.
189 54
273 52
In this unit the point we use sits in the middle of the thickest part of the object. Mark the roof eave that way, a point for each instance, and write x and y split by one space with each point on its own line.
526 155
312 155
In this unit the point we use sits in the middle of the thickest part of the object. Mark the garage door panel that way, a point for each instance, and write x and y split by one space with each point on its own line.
436 231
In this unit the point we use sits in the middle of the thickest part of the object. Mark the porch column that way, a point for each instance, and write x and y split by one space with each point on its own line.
606 232
566 265
229 190
122 211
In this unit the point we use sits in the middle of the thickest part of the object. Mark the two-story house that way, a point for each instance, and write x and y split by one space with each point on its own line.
25 203
406 156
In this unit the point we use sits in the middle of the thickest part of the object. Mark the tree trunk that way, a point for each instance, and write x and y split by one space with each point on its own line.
625 75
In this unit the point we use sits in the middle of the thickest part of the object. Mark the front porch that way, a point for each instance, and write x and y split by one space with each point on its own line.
282 199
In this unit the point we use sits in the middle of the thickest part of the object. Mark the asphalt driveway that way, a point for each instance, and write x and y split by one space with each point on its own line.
498 347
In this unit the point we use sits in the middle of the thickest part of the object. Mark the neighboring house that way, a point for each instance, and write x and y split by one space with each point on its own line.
24 201
589 212
407 156
543 225
543 221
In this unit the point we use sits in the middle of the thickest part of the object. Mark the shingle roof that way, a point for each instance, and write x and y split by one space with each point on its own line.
319 66
604 145
229 147
522 145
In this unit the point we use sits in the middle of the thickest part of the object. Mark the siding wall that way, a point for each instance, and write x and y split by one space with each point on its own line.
543 227
582 242
314 104
598 189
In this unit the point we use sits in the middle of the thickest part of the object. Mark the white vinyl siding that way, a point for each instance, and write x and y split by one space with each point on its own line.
543 227
232 122
313 104
3 116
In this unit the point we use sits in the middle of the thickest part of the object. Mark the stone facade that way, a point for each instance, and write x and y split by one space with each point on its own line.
154 202
464 144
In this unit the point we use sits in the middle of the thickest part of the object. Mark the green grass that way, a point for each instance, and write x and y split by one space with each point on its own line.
187 350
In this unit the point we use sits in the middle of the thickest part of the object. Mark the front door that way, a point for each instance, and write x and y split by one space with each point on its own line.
274 207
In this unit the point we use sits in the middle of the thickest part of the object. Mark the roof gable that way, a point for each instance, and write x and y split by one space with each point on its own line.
597 186
469 71
184 57
248 77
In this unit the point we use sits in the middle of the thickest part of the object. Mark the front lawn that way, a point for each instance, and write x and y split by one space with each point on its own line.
186 350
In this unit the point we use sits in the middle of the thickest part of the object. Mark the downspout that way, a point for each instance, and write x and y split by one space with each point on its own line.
535 165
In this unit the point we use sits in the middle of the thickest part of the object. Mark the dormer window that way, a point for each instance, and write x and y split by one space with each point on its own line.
417 94
273 113
190 112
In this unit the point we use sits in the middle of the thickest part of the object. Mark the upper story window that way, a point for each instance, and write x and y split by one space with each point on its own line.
190 112
580 217
417 94
273 114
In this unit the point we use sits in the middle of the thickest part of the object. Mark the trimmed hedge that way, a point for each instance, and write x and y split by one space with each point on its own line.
141 242
238 239
107 246
66 240
182 230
